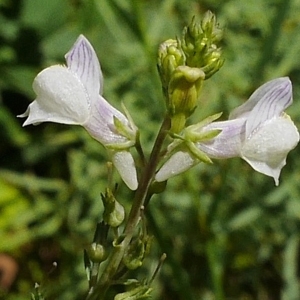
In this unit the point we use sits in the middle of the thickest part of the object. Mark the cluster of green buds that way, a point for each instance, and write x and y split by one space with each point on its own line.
185 63
199 44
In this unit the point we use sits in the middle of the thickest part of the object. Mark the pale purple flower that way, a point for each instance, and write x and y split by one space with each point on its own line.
72 94
258 131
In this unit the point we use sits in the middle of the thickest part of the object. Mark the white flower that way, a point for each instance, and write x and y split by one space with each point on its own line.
258 131
72 94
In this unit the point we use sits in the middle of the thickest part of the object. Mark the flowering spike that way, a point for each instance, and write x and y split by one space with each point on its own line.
72 94
185 63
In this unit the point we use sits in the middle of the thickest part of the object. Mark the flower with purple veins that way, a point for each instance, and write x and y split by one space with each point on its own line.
258 131
72 94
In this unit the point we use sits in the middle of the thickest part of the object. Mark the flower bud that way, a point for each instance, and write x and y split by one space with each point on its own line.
185 63
214 63
210 27
170 57
184 90
199 44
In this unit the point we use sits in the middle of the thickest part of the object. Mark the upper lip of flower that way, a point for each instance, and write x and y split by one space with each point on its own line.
267 102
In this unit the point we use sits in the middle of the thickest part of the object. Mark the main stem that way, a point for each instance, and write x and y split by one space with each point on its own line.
134 215
146 179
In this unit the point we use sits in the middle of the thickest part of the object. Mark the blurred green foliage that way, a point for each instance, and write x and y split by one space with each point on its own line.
229 233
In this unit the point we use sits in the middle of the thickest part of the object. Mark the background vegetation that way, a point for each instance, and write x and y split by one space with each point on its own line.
229 233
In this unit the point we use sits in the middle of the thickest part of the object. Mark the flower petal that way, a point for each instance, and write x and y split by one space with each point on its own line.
100 124
228 142
124 163
61 98
266 149
244 109
271 105
82 60
177 163
268 101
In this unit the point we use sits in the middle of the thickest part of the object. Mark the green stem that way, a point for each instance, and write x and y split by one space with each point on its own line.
213 249
134 215
142 190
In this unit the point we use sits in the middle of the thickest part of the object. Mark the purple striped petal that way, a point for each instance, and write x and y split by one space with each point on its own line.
271 105
100 124
82 61
259 94
267 102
